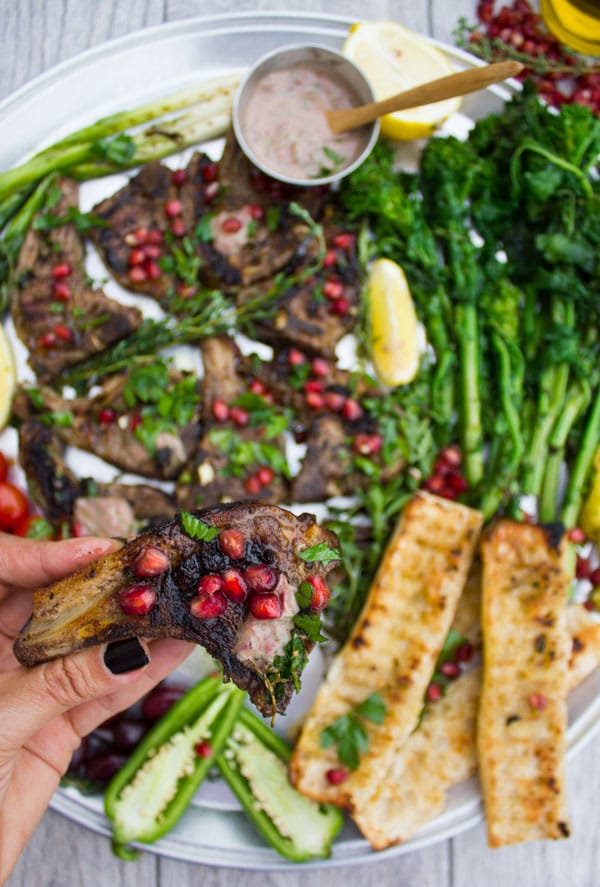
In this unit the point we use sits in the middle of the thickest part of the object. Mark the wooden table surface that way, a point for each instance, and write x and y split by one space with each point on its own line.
34 36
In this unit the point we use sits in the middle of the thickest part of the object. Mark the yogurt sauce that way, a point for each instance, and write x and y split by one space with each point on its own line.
286 128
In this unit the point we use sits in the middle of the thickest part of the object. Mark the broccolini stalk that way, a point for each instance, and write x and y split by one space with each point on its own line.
581 467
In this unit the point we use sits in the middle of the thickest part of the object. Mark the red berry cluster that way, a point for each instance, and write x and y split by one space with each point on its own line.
146 249
320 396
61 292
447 480
518 31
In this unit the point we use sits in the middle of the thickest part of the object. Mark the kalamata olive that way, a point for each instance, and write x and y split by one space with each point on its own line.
79 756
160 700
101 768
127 733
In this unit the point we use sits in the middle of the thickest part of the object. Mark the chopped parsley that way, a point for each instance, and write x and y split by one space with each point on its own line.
244 454
349 733
321 554
197 529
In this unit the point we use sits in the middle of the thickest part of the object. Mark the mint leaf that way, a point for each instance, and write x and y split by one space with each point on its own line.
310 625
197 529
348 731
373 708
304 595
322 554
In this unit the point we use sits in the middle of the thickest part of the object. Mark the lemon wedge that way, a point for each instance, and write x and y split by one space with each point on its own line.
8 377
395 59
393 327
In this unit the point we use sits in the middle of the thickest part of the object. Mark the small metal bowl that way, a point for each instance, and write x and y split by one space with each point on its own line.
338 68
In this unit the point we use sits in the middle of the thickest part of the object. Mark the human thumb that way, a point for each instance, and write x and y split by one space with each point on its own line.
31 697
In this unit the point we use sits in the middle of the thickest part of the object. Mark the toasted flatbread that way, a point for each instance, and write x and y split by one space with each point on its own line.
523 714
394 646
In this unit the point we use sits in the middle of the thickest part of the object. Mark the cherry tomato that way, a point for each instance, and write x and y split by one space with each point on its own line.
33 526
3 466
13 506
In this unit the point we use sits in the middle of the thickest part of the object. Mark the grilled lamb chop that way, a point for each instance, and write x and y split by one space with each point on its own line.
83 505
237 594
56 313
235 445
108 426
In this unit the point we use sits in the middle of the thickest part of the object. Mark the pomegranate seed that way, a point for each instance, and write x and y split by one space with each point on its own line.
321 593
106 416
265 475
152 251
450 669
333 289
231 225
77 529
62 270
136 257
210 172
178 227
583 568
448 493
457 483
208 606
256 212
595 577
211 191
220 410
252 485
343 241
314 400
63 332
295 357
152 269
320 367
203 749
336 775
352 410
135 420
576 535
257 387
62 291
141 235
314 385
434 692
537 701
330 259
435 484
155 235
210 584
239 416
341 307
451 456
235 586
137 600
185 290
464 652
179 176
47 340
138 274
334 401
266 606
150 561
173 208
367 444
261 577
232 543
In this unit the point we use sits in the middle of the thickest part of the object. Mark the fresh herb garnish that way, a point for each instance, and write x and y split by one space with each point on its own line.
243 454
310 624
321 553
197 529
349 733
304 595
59 418
118 150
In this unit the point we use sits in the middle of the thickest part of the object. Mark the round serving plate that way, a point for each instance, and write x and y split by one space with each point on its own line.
124 73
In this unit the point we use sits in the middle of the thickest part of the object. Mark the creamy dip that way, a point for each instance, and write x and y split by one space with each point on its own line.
286 128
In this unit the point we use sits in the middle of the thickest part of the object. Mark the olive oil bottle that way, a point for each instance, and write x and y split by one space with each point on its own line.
574 22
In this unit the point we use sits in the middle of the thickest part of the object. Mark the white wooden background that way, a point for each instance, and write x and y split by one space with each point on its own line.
35 35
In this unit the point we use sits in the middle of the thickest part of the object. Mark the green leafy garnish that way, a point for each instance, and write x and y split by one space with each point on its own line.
321 554
119 149
310 625
197 529
348 732
304 595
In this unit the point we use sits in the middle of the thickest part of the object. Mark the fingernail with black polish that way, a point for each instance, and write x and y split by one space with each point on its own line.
124 656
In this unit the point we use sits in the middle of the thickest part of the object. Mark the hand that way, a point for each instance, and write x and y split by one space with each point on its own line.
45 711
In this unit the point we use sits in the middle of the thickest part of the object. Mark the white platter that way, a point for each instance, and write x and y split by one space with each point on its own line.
124 73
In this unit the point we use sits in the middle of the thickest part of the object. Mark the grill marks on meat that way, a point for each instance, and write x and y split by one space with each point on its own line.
92 320
107 509
114 441
83 609
208 475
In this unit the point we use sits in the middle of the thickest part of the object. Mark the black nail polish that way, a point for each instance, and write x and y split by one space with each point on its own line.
123 656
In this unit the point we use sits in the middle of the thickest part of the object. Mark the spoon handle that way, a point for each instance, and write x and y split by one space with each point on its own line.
448 87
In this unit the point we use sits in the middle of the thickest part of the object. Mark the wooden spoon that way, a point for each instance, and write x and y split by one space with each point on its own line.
435 91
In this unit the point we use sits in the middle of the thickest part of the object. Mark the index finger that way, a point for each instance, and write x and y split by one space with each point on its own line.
31 563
